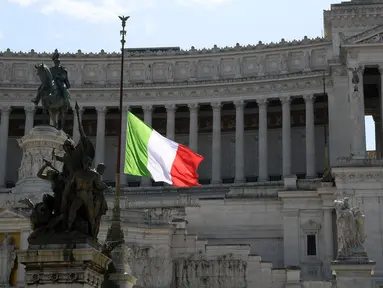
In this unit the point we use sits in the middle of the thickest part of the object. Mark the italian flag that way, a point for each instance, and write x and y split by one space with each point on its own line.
150 154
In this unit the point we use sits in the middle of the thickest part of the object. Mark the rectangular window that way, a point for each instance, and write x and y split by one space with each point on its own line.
311 245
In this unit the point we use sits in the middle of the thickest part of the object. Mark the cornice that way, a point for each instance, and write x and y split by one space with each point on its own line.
283 44
351 10
183 94
182 84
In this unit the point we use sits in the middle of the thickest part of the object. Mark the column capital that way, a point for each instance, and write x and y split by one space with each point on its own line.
216 105
309 98
193 106
147 108
285 100
171 107
262 101
5 108
29 109
101 109
239 104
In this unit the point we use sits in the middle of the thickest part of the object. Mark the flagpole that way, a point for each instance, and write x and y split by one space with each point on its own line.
115 232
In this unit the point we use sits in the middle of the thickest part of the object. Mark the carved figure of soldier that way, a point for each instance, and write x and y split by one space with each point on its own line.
57 183
68 159
100 204
59 76
84 181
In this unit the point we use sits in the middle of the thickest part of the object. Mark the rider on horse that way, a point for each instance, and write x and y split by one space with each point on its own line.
60 77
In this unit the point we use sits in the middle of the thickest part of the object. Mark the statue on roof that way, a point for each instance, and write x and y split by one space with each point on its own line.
53 91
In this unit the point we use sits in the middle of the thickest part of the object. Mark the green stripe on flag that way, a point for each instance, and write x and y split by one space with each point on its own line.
137 139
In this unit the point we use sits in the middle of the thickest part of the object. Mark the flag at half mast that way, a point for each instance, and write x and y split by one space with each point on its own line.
150 154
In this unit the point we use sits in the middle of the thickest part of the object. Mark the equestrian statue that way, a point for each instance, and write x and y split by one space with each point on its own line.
53 91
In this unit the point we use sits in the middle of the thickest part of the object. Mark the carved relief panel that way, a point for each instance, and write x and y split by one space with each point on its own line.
206 69
295 59
113 72
228 68
19 72
90 73
319 58
272 63
250 66
73 73
181 70
160 71
137 72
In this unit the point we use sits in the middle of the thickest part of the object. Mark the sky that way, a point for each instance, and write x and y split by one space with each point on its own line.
70 25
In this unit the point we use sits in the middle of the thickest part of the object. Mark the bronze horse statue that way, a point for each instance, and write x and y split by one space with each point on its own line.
55 102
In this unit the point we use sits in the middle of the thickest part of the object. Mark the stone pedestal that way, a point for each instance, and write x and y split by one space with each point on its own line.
58 266
37 145
353 273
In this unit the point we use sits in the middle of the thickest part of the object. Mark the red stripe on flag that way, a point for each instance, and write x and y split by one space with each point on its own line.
184 169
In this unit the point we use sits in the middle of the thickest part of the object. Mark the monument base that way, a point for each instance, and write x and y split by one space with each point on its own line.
38 145
56 266
353 272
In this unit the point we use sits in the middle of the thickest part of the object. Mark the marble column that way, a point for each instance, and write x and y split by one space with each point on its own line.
216 146
100 138
76 132
29 118
286 136
123 177
358 147
378 126
148 109
310 137
263 168
5 112
193 128
170 121
239 142
328 234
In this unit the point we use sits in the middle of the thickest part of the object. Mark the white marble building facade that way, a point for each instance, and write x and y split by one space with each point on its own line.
259 115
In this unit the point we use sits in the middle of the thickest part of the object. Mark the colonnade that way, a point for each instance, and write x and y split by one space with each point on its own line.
193 136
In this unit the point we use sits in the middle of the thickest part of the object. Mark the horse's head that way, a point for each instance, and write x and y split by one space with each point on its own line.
44 73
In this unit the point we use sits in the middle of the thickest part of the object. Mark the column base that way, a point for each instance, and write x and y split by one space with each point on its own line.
216 182
56 266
